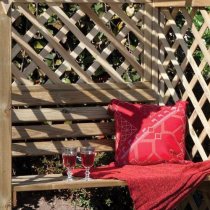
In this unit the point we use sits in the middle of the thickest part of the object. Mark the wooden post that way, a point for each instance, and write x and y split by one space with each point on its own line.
5 115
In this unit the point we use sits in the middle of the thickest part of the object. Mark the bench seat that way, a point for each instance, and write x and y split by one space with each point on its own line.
47 118
58 181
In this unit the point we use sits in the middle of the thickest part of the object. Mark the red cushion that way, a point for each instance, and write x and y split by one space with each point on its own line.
149 134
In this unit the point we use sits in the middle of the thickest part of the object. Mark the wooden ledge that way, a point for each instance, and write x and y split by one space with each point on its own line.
58 181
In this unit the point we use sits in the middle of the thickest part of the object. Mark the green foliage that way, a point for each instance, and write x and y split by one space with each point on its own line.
99 8
70 9
131 76
198 20
49 164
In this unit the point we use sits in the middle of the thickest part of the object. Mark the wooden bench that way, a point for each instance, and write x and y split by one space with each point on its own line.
85 107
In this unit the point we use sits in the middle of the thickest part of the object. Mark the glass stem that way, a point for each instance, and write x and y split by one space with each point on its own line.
69 173
87 173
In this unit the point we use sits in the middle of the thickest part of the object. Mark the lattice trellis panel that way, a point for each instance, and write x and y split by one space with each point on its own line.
184 66
85 43
80 43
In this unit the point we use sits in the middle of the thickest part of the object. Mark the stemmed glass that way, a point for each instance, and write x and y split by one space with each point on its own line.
87 156
69 155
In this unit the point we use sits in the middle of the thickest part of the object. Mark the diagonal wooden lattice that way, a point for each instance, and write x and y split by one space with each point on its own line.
180 72
120 42
183 74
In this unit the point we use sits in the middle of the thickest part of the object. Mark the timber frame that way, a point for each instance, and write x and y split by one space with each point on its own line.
156 85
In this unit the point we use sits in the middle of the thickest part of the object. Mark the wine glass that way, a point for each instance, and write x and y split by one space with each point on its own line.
87 156
69 155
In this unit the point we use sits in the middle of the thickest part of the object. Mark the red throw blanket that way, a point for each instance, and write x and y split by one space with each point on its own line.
155 187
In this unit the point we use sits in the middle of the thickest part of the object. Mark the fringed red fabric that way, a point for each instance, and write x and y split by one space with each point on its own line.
155 187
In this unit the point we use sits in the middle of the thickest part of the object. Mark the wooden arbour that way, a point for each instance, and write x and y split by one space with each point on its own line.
153 58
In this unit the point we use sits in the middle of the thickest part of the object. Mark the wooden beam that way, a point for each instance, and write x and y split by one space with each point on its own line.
157 3
61 130
60 114
83 1
55 147
58 181
181 3
82 97
80 87
5 115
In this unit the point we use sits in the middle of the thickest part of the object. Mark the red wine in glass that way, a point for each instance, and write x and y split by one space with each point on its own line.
87 156
69 160
87 159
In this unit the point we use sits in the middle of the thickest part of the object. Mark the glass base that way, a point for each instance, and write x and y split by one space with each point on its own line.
70 179
86 179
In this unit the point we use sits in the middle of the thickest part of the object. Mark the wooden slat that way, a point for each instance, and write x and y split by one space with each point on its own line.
61 130
111 37
131 25
19 76
5 5
181 3
183 67
89 46
199 77
123 33
58 181
82 97
5 114
2 9
91 36
190 93
157 3
82 86
59 114
31 33
55 147
48 36
37 58
83 1
188 52
185 62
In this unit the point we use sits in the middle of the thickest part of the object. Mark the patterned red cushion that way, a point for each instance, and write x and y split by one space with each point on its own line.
149 134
